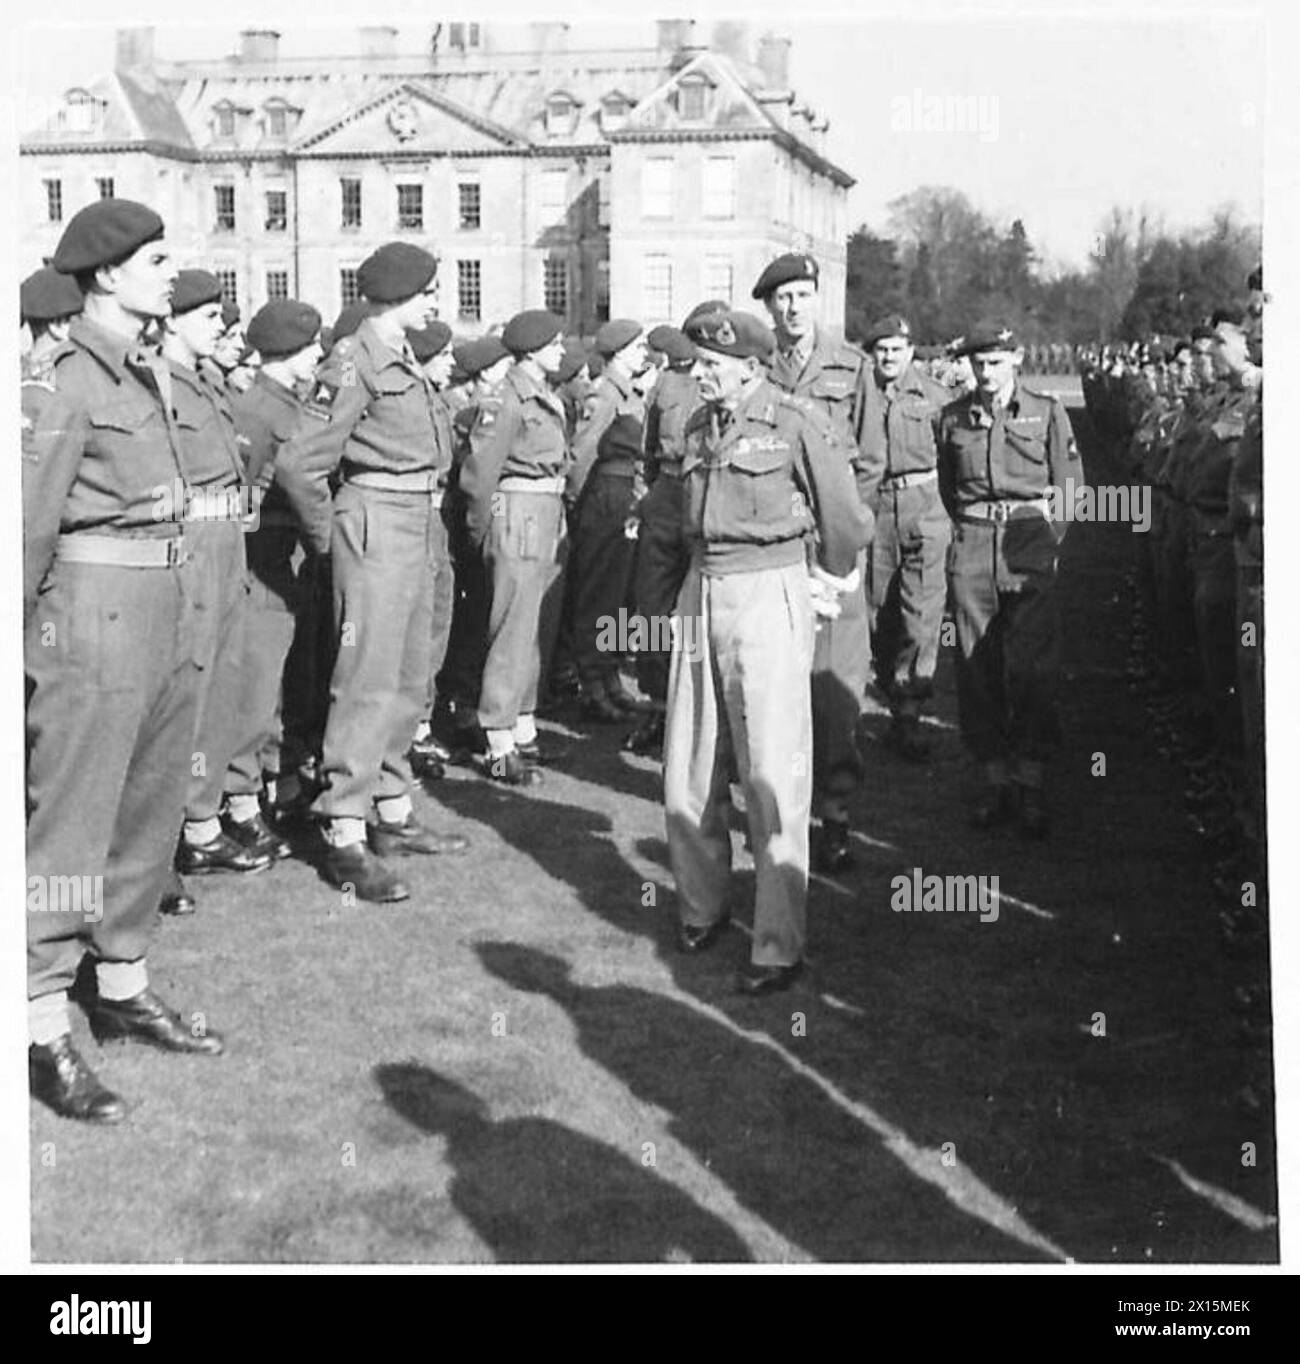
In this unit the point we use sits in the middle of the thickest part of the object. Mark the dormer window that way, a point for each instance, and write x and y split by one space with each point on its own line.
561 114
278 114
224 115
463 37
82 112
692 98
614 109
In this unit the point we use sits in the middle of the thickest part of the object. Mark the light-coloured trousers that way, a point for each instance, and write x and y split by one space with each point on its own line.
742 690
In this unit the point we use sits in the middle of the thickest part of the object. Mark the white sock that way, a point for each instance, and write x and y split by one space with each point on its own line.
526 730
121 979
199 832
47 1018
500 742
243 807
344 831
394 809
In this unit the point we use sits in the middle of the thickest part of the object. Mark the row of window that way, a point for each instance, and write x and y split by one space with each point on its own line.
717 281
54 196
658 197
659 189
410 206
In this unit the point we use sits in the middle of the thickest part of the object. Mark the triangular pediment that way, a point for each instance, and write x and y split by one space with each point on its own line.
406 119
726 103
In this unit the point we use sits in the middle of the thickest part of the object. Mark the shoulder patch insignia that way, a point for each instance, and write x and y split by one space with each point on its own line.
323 393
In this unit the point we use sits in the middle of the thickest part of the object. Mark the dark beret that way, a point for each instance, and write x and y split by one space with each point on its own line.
676 345
430 341
531 330
574 357
229 313
473 357
396 272
1202 332
103 233
283 327
617 333
1234 317
705 309
194 288
47 294
989 336
731 333
889 326
1180 346
783 270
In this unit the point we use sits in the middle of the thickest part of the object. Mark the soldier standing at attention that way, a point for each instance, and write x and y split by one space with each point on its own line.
484 362
214 515
832 375
47 301
662 557
108 606
1001 452
906 582
432 348
762 474
601 495
513 481
285 333
372 418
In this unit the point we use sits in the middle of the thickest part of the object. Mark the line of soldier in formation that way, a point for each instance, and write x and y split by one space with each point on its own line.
1185 418
253 603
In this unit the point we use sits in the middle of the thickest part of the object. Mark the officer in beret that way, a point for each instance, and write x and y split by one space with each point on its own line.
485 362
512 481
432 347
602 493
372 419
213 505
227 361
1001 455
834 376
286 334
110 670
573 382
907 586
763 473
662 557
311 656
48 301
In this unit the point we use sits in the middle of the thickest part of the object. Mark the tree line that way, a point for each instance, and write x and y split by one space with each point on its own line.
944 264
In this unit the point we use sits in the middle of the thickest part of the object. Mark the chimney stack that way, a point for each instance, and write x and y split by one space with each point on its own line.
674 35
774 61
133 49
259 45
378 40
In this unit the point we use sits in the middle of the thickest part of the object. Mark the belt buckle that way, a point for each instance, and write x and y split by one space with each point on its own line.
1002 512
176 551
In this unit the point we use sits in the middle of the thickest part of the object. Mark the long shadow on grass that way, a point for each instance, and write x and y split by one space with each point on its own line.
804 1165
538 1192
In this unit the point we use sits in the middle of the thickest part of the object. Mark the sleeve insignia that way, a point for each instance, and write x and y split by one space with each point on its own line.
323 394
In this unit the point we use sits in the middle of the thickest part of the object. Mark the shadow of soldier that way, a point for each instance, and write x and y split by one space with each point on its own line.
538 1192
803 1164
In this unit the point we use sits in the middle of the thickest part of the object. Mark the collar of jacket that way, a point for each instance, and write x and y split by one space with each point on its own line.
114 352
275 389
381 352
525 387
621 385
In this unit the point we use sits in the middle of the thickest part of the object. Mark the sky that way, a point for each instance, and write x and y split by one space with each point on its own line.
1159 106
